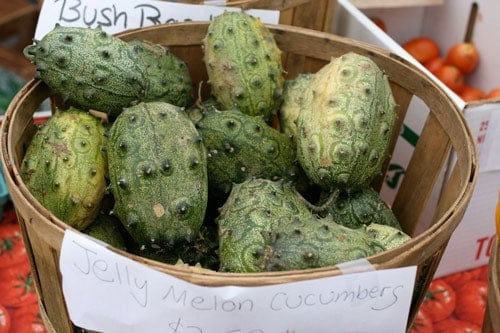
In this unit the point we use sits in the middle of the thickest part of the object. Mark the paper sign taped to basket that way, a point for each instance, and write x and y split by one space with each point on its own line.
107 292
118 15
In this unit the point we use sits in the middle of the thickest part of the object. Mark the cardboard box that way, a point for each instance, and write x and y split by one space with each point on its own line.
470 245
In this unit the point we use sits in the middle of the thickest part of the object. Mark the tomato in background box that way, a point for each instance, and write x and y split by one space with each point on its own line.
464 56
494 93
17 287
379 22
12 249
452 325
422 48
469 94
457 280
451 77
5 320
471 301
27 319
422 323
434 64
483 273
439 300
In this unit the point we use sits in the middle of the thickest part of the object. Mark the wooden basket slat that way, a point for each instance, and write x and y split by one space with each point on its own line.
418 183
445 127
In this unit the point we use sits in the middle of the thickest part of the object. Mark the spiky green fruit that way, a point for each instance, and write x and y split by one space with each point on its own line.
108 228
313 242
89 67
65 166
361 208
295 97
158 173
344 132
253 209
168 76
243 64
387 235
241 146
267 226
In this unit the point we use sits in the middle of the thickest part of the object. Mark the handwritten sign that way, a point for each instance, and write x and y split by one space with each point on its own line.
118 15
110 293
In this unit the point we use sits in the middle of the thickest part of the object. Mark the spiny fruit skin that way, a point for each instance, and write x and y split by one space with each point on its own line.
158 173
243 64
108 229
252 210
241 146
65 166
344 133
311 242
168 76
89 67
361 208
387 235
295 97
266 226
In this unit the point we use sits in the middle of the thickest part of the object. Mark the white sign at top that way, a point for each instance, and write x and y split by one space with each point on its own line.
110 293
117 15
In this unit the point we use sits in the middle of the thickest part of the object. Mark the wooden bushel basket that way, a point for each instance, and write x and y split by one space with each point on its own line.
445 133
491 322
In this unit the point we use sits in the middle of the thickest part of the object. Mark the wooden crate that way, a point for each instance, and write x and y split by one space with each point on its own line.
445 133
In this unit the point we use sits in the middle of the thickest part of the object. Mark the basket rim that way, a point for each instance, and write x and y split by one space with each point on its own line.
209 276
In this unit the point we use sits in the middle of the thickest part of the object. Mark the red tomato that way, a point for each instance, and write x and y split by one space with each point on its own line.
464 56
471 301
5 320
469 93
422 48
493 93
434 64
379 22
451 77
27 319
457 280
16 286
439 300
422 323
12 250
483 273
452 325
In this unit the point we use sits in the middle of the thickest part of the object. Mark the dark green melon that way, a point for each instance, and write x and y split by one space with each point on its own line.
158 173
90 68
241 146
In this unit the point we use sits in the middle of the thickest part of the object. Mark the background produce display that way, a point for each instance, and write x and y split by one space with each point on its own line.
454 303
451 67
19 310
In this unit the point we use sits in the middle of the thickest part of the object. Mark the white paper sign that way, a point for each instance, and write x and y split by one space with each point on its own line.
107 292
118 15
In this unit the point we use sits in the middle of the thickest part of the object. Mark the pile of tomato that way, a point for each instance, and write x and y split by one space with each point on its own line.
19 309
454 304
451 67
